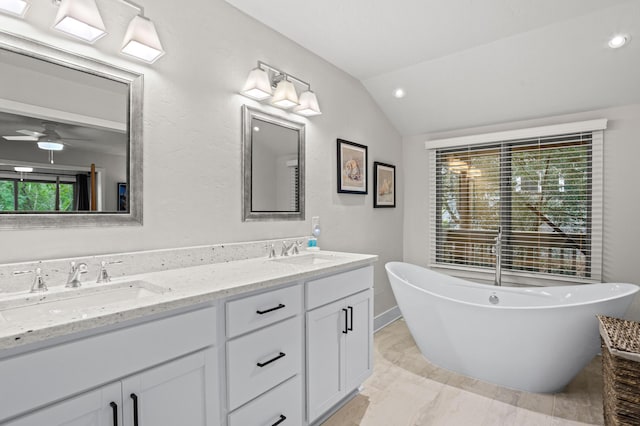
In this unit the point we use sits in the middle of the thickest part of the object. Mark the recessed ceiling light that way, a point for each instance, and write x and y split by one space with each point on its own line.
618 41
399 93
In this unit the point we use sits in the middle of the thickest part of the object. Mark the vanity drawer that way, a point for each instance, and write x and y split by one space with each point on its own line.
285 401
326 290
261 360
257 311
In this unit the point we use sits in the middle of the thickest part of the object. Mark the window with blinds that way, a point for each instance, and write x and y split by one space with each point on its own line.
541 191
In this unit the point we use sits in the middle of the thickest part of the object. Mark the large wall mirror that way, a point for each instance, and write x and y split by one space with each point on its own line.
272 166
70 139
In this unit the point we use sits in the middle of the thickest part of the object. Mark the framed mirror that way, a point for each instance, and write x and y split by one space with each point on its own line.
272 167
70 139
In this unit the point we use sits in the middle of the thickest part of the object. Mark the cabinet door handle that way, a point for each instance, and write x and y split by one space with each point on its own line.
135 409
280 420
280 306
262 364
114 408
346 322
350 328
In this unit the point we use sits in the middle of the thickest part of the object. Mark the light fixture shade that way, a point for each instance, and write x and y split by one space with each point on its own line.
141 40
80 19
285 95
14 7
308 104
50 146
257 86
23 169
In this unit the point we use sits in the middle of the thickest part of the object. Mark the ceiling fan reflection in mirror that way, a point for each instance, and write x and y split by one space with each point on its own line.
47 139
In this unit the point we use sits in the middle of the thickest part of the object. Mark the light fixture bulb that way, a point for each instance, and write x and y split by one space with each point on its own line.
257 86
80 19
51 146
308 104
256 128
618 41
14 7
285 95
399 93
141 40
23 169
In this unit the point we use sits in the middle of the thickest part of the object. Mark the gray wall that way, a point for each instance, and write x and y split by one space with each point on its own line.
621 195
192 145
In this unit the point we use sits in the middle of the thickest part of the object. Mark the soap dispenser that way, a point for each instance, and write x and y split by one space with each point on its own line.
315 233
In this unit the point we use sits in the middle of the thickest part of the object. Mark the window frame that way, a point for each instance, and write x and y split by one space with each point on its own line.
503 139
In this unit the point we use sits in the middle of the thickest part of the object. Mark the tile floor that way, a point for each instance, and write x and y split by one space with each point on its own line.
406 390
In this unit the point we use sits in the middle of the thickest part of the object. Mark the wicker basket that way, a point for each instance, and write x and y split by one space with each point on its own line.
621 370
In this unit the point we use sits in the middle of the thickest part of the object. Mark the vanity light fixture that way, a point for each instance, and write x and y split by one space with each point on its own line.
308 104
258 85
141 40
80 19
14 7
285 95
269 83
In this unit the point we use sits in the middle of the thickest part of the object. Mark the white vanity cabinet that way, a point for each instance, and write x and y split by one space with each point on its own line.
339 337
167 395
167 367
264 358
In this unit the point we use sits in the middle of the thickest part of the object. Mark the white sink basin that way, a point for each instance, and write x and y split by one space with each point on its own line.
307 259
73 302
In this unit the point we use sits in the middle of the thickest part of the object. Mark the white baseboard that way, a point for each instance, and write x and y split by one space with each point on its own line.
386 318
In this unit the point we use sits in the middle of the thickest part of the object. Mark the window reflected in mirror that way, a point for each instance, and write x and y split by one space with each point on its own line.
70 130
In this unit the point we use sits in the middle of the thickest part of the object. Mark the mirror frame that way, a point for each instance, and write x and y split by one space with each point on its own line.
248 114
38 50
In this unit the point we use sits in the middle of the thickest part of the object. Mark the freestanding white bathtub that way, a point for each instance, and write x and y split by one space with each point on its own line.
534 339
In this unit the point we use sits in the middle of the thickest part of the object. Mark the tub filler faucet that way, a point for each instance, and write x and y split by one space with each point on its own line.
498 251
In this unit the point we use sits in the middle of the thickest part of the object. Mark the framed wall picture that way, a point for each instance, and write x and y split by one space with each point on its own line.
384 182
122 197
352 167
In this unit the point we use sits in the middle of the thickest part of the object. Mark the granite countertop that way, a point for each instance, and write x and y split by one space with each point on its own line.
180 288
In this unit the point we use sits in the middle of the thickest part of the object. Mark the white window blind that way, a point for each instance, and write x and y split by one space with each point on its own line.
545 192
293 188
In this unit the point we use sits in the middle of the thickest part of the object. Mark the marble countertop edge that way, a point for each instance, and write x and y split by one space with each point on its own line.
184 287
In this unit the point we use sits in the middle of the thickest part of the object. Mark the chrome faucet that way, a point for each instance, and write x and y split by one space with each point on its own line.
103 274
293 248
73 280
285 248
38 281
498 251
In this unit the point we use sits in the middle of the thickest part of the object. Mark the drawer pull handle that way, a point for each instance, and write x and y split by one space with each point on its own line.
280 420
346 322
350 328
262 364
114 407
280 306
135 409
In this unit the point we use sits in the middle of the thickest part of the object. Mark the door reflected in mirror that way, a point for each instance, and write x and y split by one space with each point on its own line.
273 167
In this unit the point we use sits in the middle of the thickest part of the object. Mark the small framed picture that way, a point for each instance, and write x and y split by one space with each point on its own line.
123 196
352 167
384 182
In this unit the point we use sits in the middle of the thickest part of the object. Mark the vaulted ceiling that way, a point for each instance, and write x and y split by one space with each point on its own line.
465 63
